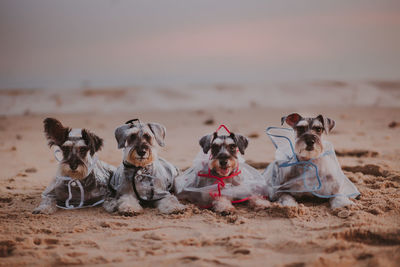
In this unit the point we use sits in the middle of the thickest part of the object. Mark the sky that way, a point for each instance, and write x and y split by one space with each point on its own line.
110 43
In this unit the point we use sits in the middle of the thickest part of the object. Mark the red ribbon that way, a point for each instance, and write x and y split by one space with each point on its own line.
221 184
223 126
220 180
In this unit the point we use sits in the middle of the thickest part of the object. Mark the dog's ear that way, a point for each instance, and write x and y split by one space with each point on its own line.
93 141
241 141
205 142
291 119
120 135
327 123
158 131
56 133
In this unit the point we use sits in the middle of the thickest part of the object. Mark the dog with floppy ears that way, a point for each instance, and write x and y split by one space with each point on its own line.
313 170
219 176
143 178
81 180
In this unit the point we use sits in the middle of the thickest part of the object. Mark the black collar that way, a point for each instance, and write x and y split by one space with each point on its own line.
146 169
130 166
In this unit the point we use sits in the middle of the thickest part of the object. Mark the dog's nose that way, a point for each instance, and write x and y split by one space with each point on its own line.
223 162
141 152
310 142
73 166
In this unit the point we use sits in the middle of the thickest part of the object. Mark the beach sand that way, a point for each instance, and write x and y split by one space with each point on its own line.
366 234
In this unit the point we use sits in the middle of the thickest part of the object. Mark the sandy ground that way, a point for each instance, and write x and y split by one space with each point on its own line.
367 234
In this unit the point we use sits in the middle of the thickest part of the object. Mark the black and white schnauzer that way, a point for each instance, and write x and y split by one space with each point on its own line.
310 145
81 180
220 164
143 177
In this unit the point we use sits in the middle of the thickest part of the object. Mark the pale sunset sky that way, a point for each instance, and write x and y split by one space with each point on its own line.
64 44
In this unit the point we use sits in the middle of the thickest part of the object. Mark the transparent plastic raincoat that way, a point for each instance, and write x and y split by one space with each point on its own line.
320 176
201 186
90 191
150 183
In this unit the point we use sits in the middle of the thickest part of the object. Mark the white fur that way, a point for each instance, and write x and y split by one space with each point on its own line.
110 204
304 154
169 205
229 141
287 200
47 206
218 141
129 205
302 123
223 205
259 203
339 202
317 123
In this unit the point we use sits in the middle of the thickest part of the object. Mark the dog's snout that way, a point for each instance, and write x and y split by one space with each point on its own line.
73 165
223 162
223 159
309 139
141 152
310 142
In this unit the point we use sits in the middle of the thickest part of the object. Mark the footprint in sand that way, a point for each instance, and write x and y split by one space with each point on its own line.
359 153
369 169
370 237
6 248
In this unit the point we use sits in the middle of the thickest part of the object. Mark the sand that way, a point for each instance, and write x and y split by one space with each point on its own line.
366 234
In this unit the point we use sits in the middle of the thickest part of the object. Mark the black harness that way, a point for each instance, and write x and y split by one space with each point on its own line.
135 173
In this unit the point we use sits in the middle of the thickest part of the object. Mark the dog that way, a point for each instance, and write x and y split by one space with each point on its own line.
143 178
309 145
81 180
222 166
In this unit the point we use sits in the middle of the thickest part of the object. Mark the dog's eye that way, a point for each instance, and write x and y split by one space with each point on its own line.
83 150
232 147
301 129
132 138
147 137
66 149
318 129
214 148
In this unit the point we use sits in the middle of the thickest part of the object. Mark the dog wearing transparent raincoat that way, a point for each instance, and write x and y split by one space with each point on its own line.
81 179
143 178
219 176
305 164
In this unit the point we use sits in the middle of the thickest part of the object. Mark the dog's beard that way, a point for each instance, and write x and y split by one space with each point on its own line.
304 154
223 172
80 172
133 158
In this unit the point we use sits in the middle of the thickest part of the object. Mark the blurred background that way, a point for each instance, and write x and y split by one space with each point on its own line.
170 54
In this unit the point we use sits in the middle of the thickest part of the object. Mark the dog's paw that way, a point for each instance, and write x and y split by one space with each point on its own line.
223 206
129 211
170 205
259 203
45 209
340 202
173 209
129 206
226 212
110 205
287 201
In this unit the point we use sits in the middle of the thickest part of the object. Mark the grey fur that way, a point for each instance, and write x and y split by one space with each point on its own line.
241 141
159 132
121 135
145 177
